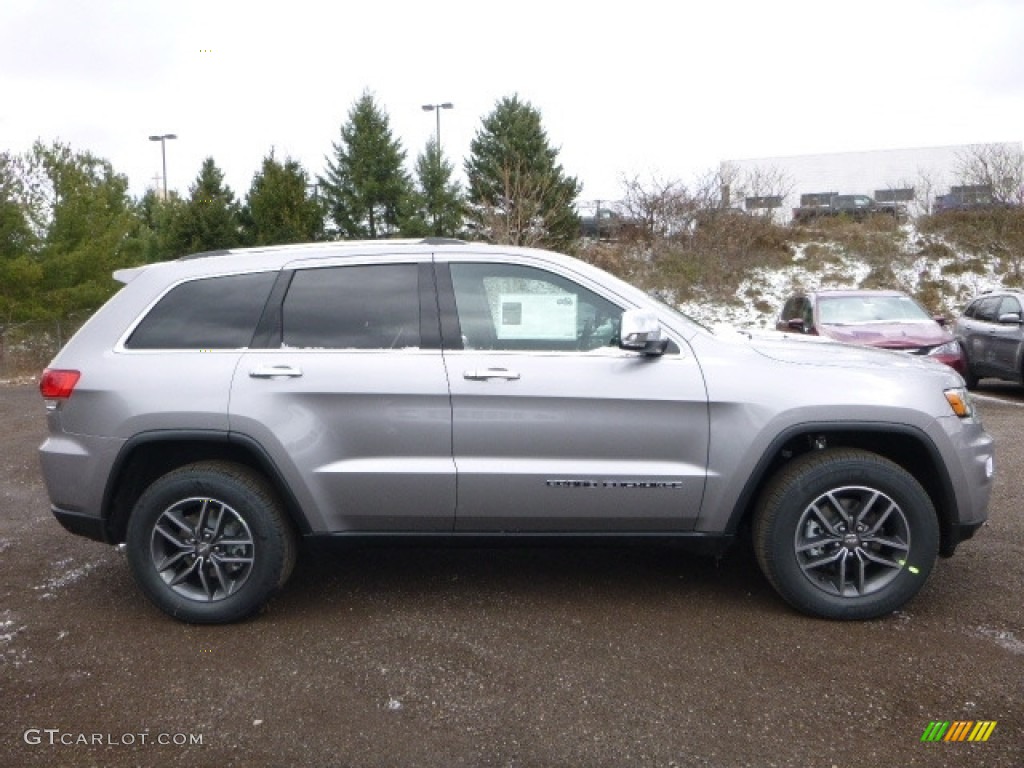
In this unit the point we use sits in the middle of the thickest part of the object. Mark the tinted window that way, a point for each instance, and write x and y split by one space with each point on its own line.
213 313
1008 306
511 307
792 309
359 307
988 309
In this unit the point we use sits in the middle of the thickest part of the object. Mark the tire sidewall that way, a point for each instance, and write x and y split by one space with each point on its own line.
779 556
248 502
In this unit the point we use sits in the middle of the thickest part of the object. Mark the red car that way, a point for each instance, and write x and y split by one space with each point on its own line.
885 319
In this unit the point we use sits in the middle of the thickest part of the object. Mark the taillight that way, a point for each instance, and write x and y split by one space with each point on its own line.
57 384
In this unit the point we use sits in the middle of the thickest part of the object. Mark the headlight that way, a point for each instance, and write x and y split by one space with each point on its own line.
949 348
960 402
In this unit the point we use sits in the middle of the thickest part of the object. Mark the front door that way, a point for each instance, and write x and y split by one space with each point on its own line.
556 429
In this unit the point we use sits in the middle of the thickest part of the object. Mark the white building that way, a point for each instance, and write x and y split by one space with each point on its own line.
916 176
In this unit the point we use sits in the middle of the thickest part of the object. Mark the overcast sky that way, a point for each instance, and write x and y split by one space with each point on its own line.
644 88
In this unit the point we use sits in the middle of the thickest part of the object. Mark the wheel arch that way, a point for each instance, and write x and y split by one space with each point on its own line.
150 455
905 445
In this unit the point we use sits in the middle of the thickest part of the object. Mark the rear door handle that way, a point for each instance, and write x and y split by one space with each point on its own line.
275 372
490 373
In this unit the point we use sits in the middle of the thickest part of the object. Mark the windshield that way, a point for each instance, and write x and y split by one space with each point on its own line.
860 310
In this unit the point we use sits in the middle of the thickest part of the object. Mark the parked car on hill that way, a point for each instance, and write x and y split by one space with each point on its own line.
872 318
857 207
991 333
605 224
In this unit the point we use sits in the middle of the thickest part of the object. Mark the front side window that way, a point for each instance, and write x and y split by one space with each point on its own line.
988 309
509 307
1009 306
357 307
211 313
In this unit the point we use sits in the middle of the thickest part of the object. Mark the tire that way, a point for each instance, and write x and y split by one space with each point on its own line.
845 534
208 543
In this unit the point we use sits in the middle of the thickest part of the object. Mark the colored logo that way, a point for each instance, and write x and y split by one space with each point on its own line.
959 730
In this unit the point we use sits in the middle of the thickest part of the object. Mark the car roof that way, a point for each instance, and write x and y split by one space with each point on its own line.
852 292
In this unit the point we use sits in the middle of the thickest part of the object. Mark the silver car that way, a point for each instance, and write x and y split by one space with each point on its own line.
220 408
991 333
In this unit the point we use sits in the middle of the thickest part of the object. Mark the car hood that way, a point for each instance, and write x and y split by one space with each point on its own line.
889 335
815 350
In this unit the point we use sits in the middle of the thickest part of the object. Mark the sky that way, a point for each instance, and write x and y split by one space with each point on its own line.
645 89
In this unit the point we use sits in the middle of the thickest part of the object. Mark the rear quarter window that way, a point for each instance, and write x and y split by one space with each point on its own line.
210 313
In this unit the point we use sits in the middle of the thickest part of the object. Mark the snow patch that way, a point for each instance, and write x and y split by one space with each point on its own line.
1003 638
10 628
68 576
771 287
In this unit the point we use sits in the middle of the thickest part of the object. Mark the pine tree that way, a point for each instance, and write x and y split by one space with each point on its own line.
279 208
439 205
366 190
91 228
518 192
209 220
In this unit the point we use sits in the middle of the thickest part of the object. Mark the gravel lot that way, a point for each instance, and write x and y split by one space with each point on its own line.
584 656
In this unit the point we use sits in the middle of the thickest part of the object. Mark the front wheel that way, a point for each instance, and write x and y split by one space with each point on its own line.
208 543
846 534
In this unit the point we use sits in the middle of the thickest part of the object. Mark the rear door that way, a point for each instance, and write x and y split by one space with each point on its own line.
350 398
555 429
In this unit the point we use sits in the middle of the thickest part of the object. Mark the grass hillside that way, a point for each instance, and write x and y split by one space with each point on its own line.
739 270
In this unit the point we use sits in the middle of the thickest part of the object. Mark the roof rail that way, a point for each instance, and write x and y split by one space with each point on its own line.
326 244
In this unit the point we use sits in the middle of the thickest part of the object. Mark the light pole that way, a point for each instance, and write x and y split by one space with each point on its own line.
163 153
436 108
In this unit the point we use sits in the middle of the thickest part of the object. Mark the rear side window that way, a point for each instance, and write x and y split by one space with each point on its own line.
212 313
359 307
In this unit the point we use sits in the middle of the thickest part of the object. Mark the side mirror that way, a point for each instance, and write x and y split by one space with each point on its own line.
796 324
1010 318
940 320
640 331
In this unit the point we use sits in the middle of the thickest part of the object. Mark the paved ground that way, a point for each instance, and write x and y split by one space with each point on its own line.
581 657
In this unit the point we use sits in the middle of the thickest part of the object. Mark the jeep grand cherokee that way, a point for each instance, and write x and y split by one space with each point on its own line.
222 406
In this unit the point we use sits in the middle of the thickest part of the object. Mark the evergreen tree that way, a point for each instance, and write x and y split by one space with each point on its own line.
366 190
209 220
20 273
279 208
91 229
518 193
438 200
158 220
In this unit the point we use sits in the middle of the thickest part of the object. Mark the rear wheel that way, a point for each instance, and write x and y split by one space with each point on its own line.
846 534
208 543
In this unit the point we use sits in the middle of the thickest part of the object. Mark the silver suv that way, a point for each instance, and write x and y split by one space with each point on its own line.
221 407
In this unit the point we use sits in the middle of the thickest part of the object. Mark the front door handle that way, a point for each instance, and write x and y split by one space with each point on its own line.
275 372
490 373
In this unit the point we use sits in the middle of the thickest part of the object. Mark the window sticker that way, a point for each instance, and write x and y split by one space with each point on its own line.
536 316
